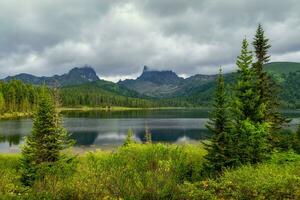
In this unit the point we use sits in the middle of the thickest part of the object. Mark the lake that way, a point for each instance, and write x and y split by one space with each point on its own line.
107 130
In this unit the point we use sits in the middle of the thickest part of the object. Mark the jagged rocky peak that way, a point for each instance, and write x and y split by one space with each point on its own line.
146 68
85 72
159 76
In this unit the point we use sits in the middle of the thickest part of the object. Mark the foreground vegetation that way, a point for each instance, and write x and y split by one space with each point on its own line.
152 171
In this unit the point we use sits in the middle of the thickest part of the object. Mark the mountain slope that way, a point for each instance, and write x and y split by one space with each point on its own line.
166 84
199 89
282 67
104 93
75 76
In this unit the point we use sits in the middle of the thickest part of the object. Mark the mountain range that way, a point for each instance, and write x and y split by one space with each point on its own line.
154 84
75 76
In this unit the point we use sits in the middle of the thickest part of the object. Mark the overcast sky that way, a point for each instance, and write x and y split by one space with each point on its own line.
117 38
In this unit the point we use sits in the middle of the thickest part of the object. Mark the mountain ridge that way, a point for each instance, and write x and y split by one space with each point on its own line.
75 76
167 85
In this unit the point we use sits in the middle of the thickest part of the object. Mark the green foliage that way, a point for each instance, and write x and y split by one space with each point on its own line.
273 180
48 138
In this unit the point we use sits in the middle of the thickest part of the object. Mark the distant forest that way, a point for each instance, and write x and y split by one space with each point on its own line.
17 96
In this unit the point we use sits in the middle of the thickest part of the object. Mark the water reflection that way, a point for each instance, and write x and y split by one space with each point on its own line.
10 139
109 129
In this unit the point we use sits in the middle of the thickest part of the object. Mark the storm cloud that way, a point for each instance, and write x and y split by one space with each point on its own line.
118 37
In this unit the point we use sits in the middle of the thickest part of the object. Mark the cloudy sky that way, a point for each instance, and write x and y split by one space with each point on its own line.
118 37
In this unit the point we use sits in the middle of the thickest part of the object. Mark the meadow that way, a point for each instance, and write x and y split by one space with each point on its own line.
151 171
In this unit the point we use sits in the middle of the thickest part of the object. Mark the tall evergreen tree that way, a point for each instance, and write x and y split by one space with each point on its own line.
267 88
218 156
246 97
296 141
2 103
148 135
48 138
249 132
129 138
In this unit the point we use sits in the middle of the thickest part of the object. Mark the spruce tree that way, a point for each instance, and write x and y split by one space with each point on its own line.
129 138
218 156
296 141
148 135
266 86
249 132
46 141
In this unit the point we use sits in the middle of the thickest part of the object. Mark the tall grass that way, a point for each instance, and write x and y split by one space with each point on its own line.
152 171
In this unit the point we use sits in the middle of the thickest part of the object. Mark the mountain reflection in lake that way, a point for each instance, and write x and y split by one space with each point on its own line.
100 129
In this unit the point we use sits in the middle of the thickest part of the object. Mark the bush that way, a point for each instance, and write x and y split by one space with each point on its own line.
10 185
273 180
141 171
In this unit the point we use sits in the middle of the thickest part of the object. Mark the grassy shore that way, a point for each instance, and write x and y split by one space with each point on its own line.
17 115
152 171
118 108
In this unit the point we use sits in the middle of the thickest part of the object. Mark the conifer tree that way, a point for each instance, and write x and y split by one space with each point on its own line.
148 136
218 156
267 88
249 133
296 141
47 139
129 138
2 103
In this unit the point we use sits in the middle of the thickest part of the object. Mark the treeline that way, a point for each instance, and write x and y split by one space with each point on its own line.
19 97
16 96
96 97
291 90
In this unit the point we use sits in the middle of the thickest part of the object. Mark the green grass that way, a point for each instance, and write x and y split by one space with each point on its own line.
15 115
153 171
120 108
282 67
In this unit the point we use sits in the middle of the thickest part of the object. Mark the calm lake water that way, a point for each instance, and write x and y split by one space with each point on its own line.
106 130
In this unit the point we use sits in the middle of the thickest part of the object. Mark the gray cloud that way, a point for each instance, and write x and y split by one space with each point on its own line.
118 37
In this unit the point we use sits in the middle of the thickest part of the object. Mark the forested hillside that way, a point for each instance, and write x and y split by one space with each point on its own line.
151 89
16 96
105 94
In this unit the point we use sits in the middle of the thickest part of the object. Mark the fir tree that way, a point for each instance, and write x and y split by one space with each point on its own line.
246 97
218 156
261 46
249 133
129 138
296 141
2 103
48 138
148 135
267 88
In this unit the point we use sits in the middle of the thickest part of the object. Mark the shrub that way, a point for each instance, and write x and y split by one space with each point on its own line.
272 180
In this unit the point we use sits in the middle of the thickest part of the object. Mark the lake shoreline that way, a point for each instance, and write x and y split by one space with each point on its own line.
21 115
